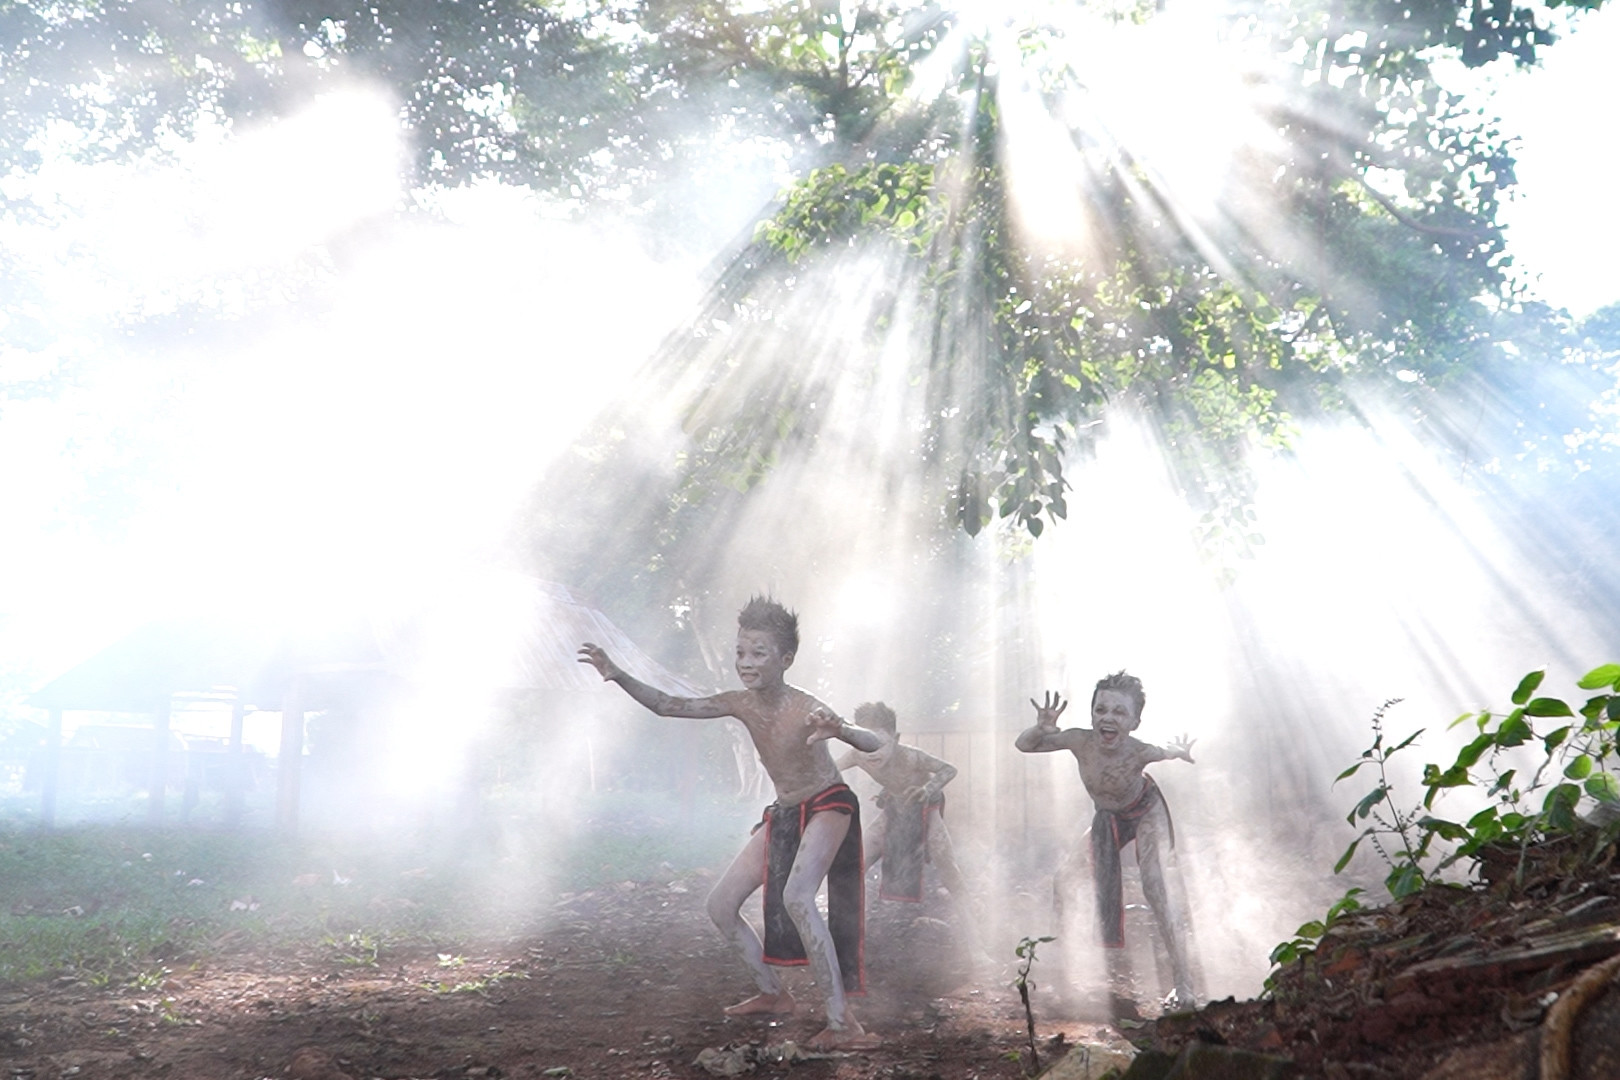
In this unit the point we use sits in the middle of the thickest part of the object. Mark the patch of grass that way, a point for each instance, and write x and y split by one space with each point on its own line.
473 986
111 905
356 949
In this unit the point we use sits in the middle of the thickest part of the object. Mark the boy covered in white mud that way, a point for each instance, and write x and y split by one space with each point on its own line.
811 832
910 827
1129 807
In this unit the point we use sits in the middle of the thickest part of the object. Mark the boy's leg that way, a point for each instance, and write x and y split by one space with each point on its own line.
823 835
725 903
872 840
1152 849
942 853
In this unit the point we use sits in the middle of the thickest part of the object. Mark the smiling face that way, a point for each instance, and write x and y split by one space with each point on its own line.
1113 716
761 663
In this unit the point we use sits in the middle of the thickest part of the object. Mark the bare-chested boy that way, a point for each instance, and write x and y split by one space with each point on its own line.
910 828
811 829
1129 807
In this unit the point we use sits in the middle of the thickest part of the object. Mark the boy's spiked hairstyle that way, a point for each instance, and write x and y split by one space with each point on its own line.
763 613
1129 685
876 716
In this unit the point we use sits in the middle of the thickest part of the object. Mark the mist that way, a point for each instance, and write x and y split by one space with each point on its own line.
263 381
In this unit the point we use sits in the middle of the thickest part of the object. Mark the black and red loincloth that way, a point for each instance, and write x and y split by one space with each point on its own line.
905 844
1111 830
846 886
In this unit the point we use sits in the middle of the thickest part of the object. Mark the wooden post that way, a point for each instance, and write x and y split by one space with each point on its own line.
160 762
53 768
235 766
290 757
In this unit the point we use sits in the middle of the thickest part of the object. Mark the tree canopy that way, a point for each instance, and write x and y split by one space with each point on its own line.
1356 238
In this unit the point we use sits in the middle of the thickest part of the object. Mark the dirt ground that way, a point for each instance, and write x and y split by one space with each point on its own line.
623 981
629 981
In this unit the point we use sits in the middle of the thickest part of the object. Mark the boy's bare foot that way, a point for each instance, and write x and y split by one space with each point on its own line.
763 1005
849 1037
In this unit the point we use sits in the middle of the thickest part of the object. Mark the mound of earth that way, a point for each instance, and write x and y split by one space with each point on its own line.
1511 980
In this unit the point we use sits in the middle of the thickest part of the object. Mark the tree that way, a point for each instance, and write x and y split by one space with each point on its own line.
1358 241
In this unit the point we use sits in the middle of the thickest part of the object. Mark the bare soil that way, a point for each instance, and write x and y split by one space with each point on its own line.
624 981
630 981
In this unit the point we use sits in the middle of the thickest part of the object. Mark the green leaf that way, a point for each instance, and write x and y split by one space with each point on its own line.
1527 686
1312 929
1344 904
1486 815
1603 787
1406 742
1514 731
1580 768
1456 776
1404 880
1606 675
1548 706
1559 807
1283 954
1351 771
1556 738
1344 860
1450 830
1469 755
1368 801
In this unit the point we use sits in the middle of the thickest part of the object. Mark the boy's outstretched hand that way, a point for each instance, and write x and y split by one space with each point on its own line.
824 725
1046 715
1181 747
594 656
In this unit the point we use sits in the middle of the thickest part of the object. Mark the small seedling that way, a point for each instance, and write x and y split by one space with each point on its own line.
1026 954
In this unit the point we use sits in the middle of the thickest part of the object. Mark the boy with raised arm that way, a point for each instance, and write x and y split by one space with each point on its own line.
910 829
1129 807
810 833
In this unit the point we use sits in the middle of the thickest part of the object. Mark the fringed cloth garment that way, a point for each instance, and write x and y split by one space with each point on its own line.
846 885
1111 830
905 844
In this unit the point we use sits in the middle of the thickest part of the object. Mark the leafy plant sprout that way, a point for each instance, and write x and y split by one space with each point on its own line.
1585 751
1405 876
1026 954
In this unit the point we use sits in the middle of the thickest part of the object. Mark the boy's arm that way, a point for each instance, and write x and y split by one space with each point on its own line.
1179 747
651 697
940 774
1045 737
843 761
826 724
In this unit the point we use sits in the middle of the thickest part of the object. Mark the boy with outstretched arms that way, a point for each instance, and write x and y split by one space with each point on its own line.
1129 807
811 829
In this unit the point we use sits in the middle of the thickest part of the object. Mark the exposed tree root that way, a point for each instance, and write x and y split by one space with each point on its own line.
1557 1030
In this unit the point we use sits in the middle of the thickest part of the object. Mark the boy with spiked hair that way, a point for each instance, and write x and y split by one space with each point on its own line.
1129 807
811 833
